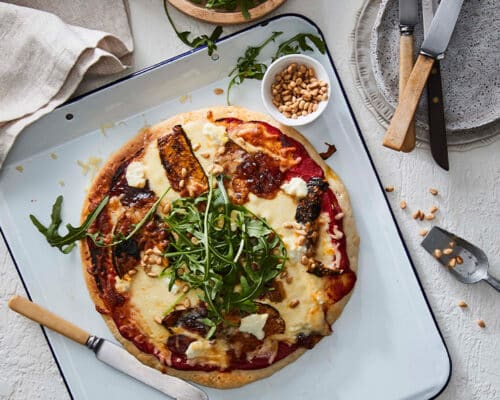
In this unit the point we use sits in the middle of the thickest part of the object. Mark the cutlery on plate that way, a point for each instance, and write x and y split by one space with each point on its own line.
435 101
466 262
108 352
433 48
408 18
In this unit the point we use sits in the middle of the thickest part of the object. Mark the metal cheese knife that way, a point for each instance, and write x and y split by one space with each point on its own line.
108 352
435 101
408 18
433 48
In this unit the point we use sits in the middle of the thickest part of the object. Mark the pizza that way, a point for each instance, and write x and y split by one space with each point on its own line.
226 247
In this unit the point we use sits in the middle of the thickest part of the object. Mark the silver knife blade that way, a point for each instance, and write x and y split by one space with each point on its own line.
125 362
442 26
429 8
408 12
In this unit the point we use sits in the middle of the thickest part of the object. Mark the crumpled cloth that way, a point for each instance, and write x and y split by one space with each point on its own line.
46 48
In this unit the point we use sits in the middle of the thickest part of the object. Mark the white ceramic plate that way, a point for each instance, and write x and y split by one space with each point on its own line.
386 345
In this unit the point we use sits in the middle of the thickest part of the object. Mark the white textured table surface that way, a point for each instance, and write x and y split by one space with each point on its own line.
468 201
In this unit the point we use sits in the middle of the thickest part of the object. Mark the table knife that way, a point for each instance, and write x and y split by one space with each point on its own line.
408 18
435 100
433 48
108 352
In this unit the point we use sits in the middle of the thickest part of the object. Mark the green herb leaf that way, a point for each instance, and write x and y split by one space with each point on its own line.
198 41
248 67
99 240
234 256
299 42
67 242
231 5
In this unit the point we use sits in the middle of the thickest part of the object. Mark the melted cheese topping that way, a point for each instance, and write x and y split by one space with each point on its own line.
308 315
208 352
296 187
151 297
214 133
155 173
135 174
254 325
327 252
122 285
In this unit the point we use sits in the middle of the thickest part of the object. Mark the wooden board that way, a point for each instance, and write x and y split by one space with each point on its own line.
199 11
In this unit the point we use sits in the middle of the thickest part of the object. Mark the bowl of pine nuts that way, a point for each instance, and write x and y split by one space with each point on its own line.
295 89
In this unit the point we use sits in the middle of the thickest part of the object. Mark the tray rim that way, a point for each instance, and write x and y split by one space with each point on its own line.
358 130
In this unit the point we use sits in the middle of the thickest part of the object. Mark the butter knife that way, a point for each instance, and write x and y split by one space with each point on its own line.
433 48
408 18
108 352
435 101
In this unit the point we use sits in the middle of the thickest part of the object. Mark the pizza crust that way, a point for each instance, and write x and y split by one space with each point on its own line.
97 190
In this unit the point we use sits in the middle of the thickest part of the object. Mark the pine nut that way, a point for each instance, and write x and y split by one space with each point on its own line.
167 207
293 303
296 86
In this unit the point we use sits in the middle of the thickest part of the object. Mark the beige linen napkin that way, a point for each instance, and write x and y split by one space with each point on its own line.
44 56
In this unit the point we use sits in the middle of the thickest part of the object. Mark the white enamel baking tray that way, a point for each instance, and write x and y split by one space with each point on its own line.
386 345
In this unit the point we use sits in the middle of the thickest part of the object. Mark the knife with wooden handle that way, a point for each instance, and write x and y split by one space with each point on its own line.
437 125
433 48
108 352
408 18
435 99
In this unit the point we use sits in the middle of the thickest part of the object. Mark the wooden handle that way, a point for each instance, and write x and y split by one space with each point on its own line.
437 125
396 133
44 317
405 67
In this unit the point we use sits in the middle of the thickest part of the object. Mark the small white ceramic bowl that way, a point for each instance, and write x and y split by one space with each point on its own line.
269 77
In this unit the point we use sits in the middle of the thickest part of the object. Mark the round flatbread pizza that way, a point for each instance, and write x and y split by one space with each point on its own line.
225 248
